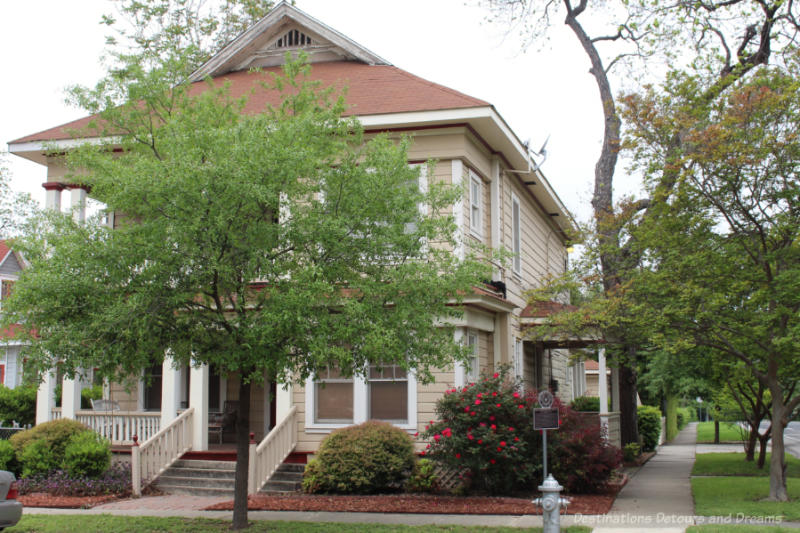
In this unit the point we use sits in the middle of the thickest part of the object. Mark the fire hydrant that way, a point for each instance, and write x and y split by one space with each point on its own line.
551 504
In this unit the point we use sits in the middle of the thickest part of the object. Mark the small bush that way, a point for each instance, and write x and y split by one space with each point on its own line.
583 460
38 458
368 458
586 403
87 454
55 434
18 405
485 430
649 426
631 452
684 417
8 459
423 478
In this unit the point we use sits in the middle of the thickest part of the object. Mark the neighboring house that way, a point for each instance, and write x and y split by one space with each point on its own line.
593 378
509 203
11 264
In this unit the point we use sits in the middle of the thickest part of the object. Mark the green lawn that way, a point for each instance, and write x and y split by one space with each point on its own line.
730 528
722 496
727 432
733 464
143 524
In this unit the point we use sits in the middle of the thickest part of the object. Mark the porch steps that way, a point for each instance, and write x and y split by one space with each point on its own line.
198 478
287 478
216 478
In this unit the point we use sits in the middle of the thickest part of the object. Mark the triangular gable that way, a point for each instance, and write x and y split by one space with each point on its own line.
10 264
285 29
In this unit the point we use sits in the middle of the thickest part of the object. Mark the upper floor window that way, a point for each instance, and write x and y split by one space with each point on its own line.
516 234
475 204
6 288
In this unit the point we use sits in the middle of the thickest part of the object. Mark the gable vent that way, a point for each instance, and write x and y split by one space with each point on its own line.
293 38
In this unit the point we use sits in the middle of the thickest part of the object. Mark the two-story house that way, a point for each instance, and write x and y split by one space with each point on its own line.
508 203
11 264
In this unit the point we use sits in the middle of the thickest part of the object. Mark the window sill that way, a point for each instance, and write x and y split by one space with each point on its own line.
328 428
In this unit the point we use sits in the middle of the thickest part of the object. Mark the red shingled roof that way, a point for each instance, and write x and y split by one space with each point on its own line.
371 90
591 364
4 250
545 309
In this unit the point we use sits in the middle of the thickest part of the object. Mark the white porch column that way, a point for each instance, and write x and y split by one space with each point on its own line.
494 210
602 381
198 398
77 203
459 376
283 401
615 390
52 196
170 391
70 396
44 397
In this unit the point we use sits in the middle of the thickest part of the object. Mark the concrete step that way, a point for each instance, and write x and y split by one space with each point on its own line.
191 482
287 478
196 491
213 465
209 473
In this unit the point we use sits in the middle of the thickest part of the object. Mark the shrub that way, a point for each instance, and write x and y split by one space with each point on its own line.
423 478
583 460
586 403
631 451
87 454
484 430
115 480
649 426
684 417
38 458
55 434
8 459
368 458
17 405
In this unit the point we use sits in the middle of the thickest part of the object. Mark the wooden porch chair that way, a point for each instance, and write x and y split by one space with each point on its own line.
218 423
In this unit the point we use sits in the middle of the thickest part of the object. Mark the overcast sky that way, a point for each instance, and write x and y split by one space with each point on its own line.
51 44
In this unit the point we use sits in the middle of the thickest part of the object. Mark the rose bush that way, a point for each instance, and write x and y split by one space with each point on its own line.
485 431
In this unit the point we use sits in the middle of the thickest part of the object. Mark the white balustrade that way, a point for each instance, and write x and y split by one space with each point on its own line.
55 413
120 426
271 452
157 453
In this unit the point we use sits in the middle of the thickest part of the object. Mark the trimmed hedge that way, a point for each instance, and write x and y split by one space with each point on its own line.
649 426
586 403
87 454
17 405
368 458
55 434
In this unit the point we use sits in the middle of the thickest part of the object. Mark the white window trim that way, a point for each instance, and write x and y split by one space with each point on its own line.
360 406
475 226
516 235
519 362
459 372
471 375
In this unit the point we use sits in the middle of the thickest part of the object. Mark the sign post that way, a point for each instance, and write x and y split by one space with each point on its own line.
544 418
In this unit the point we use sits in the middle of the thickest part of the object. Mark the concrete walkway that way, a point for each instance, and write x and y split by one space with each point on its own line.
658 497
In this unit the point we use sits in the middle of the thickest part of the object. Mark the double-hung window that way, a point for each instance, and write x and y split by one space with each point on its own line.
516 236
475 204
388 393
333 395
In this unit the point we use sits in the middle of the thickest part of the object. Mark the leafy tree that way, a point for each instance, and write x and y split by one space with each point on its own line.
723 253
15 208
727 38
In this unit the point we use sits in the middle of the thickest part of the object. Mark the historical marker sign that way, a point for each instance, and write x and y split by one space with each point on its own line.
545 418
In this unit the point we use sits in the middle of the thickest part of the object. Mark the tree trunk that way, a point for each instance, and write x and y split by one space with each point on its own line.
628 418
716 431
750 445
762 449
242 457
777 463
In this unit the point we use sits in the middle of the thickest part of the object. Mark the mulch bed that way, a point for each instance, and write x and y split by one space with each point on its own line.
43 499
642 459
421 503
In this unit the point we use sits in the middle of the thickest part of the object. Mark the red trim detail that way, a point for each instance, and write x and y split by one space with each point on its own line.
53 186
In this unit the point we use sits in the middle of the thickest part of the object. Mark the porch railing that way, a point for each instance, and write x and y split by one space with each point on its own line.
117 426
155 455
271 452
120 426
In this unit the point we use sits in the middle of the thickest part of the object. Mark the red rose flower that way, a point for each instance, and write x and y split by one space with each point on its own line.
480 441
493 427
495 375
498 405
477 402
472 413
492 461
422 452
458 456
515 395
502 443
